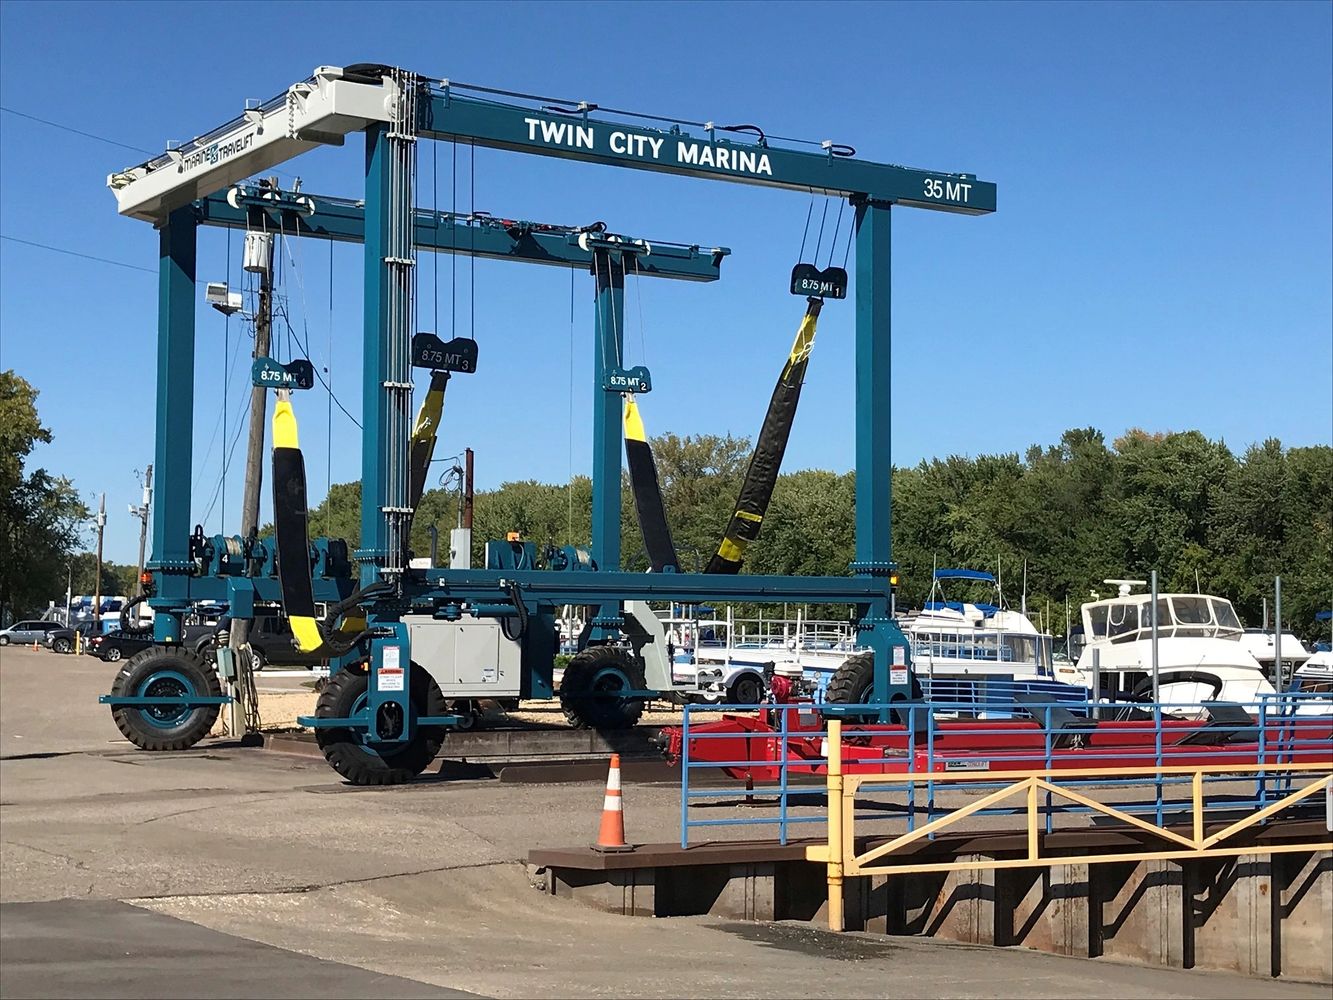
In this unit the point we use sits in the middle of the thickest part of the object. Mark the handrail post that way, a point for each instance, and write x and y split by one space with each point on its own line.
1196 790
1033 836
836 921
685 779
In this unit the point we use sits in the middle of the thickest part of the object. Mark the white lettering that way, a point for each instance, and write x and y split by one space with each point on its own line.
583 136
656 144
723 158
532 124
617 142
553 131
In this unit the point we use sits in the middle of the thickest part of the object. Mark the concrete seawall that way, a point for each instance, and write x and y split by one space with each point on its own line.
1261 914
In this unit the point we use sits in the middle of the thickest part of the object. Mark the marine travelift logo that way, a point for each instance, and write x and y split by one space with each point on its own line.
215 153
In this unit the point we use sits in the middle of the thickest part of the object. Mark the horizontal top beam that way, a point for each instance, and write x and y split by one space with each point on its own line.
343 220
452 115
334 102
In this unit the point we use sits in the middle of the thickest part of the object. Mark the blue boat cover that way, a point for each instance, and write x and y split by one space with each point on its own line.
964 574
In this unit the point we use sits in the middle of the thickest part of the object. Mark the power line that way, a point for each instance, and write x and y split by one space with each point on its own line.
76 131
76 253
291 332
97 138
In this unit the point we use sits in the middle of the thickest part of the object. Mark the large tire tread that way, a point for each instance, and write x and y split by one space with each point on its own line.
136 670
853 683
357 763
585 712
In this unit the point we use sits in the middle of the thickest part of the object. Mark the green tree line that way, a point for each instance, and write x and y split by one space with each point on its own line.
1076 513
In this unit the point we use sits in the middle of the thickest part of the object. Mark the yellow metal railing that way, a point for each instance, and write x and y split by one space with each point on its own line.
842 860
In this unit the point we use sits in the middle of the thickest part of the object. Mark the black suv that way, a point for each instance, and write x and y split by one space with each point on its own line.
123 643
271 642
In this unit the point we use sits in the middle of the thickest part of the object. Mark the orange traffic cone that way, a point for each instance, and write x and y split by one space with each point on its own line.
611 837
35 648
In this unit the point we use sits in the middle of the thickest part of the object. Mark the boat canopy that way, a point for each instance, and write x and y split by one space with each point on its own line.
964 574
959 606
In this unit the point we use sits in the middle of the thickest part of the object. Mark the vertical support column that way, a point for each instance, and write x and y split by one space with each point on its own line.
606 412
608 339
375 359
173 453
874 462
874 459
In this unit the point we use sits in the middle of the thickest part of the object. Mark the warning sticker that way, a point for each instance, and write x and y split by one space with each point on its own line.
897 676
899 656
391 670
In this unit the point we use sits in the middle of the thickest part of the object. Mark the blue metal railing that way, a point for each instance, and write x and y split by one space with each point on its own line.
928 741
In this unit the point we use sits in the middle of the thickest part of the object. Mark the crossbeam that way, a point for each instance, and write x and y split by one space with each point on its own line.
344 220
452 115
334 101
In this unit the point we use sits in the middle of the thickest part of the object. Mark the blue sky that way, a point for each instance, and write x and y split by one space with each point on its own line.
1160 258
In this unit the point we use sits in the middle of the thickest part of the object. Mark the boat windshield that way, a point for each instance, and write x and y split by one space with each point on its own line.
1179 615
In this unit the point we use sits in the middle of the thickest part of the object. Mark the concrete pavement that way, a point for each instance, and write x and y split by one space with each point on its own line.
424 883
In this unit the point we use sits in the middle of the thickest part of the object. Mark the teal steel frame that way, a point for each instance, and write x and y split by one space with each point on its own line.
451 112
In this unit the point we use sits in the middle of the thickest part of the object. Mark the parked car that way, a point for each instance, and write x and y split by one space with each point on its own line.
271 642
62 640
123 643
119 644
25 633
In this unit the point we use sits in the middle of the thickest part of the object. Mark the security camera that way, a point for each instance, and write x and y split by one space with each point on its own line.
217 295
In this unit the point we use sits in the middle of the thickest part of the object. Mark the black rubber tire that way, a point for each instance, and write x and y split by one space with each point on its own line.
112 655
747 689
4 640
138 669
257 661
207 650
853 683
61 645
357 763
579 687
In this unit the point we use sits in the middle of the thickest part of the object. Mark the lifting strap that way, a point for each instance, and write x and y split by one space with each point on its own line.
424 432
766 461
291 528
647 492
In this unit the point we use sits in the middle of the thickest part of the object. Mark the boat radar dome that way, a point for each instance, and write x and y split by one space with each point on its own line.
1127 586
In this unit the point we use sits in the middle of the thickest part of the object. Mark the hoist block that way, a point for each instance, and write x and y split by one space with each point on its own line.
457 355
266 373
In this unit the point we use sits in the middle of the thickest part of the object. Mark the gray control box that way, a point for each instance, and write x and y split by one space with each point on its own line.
469 658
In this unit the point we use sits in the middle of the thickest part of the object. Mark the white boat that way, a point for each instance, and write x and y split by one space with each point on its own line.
1316 673
1263 646
967 652
1200 655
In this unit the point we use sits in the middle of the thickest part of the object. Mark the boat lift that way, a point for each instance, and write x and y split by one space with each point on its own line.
193 185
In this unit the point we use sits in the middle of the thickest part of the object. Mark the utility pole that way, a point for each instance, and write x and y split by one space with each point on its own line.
97 573
460 539
258 260
141 512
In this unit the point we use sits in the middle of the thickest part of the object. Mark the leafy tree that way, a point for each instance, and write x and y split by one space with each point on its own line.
40 514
